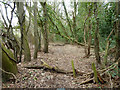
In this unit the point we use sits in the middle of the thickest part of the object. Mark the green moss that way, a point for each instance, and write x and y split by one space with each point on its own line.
7 64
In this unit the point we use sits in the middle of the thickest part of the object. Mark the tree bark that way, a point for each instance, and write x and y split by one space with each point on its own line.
74 19
8 62
24 41
45 32
35 31
96 40
118 38
89 32
68 19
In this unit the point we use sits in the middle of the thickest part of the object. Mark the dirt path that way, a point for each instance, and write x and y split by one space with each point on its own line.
60 56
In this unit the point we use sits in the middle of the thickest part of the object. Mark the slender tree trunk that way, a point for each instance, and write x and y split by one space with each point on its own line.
39 45
68 19
89 39
74 19
45 32
24 42
89 32
35 30
96 40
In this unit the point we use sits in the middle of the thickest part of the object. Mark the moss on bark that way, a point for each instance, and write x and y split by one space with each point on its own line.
8 64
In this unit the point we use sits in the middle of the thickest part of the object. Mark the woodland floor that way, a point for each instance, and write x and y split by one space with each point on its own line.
59 55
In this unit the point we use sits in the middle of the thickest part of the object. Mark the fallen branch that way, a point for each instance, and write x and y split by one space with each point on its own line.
87 81
100 73
106 69
47 67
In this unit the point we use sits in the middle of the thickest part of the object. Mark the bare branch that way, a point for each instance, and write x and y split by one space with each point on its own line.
3 19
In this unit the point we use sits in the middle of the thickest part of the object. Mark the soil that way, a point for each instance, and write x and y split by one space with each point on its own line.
59 55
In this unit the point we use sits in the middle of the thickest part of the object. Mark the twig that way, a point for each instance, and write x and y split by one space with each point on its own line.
87 81
103 70
110 34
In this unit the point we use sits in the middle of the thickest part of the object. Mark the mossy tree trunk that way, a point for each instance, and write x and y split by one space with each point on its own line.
89 32
96 40
68 20
8 63
74 19
45 32
24 41
36 39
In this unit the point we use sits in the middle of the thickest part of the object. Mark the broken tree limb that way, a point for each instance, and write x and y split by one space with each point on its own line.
105 69
87 81
47 67
53 69
100 79
99 74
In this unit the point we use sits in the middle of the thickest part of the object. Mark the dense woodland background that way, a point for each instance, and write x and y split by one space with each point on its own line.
34 31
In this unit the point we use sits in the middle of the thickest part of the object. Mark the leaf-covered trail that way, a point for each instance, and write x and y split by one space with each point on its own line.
59 55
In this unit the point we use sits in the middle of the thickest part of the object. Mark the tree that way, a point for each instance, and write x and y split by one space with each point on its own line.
118 38
74 18
8 62
96 40
45 33
89 32
68 20
24 41
35 30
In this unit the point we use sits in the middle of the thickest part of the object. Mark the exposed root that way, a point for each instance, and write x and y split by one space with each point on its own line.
10 74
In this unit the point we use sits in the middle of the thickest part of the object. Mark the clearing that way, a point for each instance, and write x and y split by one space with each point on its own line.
59 55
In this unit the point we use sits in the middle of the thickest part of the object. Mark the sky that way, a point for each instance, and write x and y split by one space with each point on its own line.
15 20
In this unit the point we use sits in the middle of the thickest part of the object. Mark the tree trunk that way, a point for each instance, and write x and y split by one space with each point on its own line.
39 34
89 39
89 32
118 38
45 33
66 13
35 30
8 63
24 41
96 40
74 19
